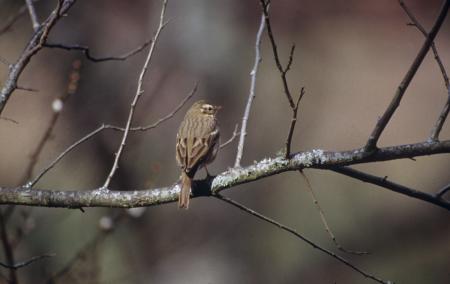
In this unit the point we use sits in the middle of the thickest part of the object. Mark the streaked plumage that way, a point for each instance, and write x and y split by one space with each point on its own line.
197 144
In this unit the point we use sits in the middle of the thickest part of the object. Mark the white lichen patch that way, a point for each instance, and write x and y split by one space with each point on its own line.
308 159
167 192
233 175
100 191
268 164
227 177
116 195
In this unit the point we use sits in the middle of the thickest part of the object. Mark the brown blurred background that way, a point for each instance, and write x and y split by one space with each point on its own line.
350 56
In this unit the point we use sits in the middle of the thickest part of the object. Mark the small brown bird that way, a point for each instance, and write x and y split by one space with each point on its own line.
197 144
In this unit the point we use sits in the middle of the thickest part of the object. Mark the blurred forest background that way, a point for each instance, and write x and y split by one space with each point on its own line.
350 56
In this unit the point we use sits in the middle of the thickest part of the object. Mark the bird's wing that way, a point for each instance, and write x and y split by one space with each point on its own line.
200 148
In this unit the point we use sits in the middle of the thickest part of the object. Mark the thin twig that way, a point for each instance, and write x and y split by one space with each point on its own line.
287 92
443 191
7 247
26 262
283 72
441 119
324 220
235 134
86 51
112 127
298 235
139 92
251 95
434 136
60 156
162 119
33 15
371 144
293 122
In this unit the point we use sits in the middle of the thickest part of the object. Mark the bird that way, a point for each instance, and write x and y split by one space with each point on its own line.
198 141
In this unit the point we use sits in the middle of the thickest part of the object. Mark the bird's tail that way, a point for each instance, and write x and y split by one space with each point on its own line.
186 183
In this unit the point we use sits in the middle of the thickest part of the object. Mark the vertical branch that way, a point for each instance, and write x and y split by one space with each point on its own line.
371 144
434 137
293 122
33 16
283 73
139 92
251 94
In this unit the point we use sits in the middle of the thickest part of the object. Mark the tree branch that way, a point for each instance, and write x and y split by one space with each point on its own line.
251 95
293 122
233 136
283 71
233 177
34 46
371 144
441 119
139 92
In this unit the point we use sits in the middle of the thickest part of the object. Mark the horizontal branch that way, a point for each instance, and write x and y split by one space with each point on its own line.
228 179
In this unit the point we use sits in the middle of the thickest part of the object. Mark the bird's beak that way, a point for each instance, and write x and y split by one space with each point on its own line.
218 107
